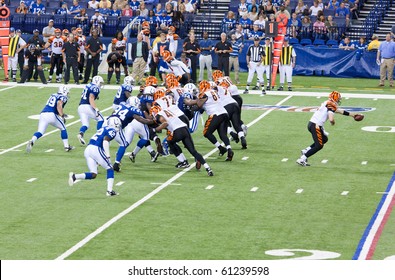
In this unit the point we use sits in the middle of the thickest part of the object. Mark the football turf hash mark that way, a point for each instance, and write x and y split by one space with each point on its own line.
209 187
31 180
150 195
299 191
254 189
284 160
119 183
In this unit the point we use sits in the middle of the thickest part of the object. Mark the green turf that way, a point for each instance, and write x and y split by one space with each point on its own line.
44 218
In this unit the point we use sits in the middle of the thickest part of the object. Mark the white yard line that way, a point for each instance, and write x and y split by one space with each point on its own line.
209 187
148 196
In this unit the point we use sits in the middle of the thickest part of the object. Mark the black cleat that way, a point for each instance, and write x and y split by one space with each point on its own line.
222 151
243 142
289 88
263 92
268 88
111 193
209 172
230 155
117 166
132 157
69 148
255 88
235 136
280 88
246 91
154 156
183 164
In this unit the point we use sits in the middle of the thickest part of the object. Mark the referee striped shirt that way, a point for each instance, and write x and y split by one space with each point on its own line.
256 53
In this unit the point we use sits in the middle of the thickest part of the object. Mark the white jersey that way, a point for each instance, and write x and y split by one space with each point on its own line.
172 120
321 115
177 67
225 96
81 43
213 105
57 44
177 92
165 102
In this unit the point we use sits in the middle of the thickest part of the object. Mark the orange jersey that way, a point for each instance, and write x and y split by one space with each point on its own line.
57 44
118 44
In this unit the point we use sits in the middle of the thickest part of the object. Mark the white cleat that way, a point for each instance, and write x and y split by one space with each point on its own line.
71 179
81 139
111 193
302 162
29 146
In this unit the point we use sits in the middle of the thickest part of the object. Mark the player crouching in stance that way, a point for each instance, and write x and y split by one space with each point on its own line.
53 114
98 152
316 125
178 132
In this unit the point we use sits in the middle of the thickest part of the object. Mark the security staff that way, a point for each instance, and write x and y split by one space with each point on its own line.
223 49
192 49
93 48
71 57
32 60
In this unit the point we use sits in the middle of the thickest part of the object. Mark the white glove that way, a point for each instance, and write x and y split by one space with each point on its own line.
97 112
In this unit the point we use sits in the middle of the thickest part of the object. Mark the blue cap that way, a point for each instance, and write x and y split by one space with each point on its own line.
267 38
256 38
12 29
36 30
18 31
97 10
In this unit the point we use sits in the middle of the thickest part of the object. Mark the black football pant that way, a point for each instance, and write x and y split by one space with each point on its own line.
219 123
71 62
94 61
317 132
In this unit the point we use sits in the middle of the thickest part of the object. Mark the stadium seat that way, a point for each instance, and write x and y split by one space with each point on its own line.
31 23
305 42
318 42
18 21
59 20
294 41
54 4
332 43
323 46
71 22
110 27
42 21
123 21
329 12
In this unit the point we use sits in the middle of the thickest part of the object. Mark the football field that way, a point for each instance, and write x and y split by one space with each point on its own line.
260 206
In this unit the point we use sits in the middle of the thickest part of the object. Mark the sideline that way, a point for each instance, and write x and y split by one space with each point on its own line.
148 196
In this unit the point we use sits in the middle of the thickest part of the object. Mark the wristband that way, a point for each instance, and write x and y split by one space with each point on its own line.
346 113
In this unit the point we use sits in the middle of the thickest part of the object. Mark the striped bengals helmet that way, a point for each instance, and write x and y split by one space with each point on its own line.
172 83
159 93
151 81
217 74
154 110
335 96
167 56
204 86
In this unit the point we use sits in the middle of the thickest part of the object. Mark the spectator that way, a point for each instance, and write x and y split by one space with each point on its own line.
105 2
300 7
37 8
63 10
347 45
82 18
127 11
261 21
246 23
242 8
332 5
319 29
288 8
22 9
269 8
352 7
256 33
164 19
153 21
134 4
178 21
342 11
173 3
385 57
205 59
306 28
115 12
237 47
252 4
97 23
229 22
253 15
169 10
105 11
139 57
294 25
223 49
158 10
120 4
315 8
93 4
75 8
361 46
188 18
143 9
331 27
48 31
192 49
374 44
189 7
93 49
305 13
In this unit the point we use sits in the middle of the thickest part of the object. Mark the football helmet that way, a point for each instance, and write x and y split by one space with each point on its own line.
64 90
172 83
32 48
145 24
191 88
65 32
167 56
128 80
134 101
151 81
154 110
217 74
114 122
150 90
170 76
335 96
98 80
159 93
58 32
204 86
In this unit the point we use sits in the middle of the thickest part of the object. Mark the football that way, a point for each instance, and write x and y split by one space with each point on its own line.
359 117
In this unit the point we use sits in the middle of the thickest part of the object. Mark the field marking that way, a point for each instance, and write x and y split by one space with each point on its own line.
299 191
284 160
209 187
46 134
254 189
367 244
31 180
49 151
7 88
120 183
364 163
174 184
244 158
150 195
344 193
324 161
381 192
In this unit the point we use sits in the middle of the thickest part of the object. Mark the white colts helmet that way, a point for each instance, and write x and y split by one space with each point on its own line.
64 90
98 80
191 88
115 123
134 101
150 90
128 80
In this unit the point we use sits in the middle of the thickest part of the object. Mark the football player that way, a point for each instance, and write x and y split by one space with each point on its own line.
87 108
81 40
315 126
53 114
98 153
55 44
124 92
176 67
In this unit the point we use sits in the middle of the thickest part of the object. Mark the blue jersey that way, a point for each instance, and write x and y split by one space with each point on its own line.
37 8
144 100
52 103
121 94
98 138
183 107
126 113
88 90
134 5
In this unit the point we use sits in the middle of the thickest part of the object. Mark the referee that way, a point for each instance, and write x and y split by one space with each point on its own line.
255 55
223 49
93 48
71 57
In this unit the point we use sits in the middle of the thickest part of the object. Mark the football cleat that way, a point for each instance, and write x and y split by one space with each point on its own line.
69 148
302 162
81 139
117 167
281 88
132 157
209 172
29 146
289 88
234 136
243 142
255 88
268 88
263 91
222 151
154 156
184 164
71 179
230 155
245 129
246 91
198 165
111 193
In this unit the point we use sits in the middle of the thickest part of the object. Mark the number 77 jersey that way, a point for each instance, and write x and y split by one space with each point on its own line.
213 105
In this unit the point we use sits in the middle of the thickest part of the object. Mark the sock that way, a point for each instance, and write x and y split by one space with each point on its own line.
217 144
228 147
241 134
206 165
